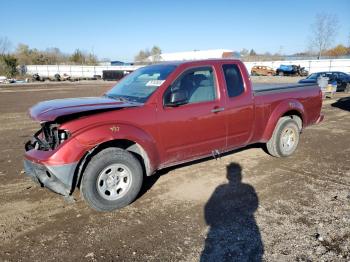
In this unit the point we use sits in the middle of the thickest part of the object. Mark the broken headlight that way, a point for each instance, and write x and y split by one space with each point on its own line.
48 137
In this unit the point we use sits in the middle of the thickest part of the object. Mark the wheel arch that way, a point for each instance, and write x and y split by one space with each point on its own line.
291 108
122 135
297 116
131 146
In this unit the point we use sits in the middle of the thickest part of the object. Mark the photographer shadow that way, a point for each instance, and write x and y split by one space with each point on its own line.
233 234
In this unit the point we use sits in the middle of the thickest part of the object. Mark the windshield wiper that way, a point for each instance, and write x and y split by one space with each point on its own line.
120 98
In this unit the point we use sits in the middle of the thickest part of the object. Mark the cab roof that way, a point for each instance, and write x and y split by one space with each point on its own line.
201 61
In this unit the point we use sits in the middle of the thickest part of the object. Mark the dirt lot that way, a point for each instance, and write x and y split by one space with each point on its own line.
245 206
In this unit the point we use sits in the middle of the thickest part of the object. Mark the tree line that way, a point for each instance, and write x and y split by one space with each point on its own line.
146 55
24 55
335 52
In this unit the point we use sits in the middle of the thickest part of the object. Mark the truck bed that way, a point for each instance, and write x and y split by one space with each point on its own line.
262 88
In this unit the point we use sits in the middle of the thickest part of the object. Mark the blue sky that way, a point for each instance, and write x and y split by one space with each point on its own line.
119 29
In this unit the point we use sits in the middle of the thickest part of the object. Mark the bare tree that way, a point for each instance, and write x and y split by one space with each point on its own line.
142 56
244 52
146 56
252 52
156 53
5 45
77 57
324 29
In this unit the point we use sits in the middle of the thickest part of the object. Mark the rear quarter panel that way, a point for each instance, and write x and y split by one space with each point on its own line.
270 106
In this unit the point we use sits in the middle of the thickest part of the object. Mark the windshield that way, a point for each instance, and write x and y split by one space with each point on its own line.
140 85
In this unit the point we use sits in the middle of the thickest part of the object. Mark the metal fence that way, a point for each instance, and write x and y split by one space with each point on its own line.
89 71
73 70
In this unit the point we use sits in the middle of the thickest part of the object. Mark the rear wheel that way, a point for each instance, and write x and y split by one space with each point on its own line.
280 73
285 138
112 179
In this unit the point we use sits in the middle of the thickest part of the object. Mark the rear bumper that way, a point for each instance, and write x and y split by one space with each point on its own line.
58 179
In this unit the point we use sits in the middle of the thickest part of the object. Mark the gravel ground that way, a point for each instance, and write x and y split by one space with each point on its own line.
245 206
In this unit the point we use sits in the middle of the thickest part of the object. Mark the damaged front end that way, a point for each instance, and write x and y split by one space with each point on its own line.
53 153
49 137
39 150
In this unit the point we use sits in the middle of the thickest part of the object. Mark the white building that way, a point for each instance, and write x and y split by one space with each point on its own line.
194 55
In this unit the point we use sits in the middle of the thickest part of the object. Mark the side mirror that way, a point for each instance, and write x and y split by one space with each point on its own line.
177 98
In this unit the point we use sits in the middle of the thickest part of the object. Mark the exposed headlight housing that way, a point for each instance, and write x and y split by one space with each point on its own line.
48 137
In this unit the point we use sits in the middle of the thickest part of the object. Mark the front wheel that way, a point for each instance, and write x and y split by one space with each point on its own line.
112 180
285 138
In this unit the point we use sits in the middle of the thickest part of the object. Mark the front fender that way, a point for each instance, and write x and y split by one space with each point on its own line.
283 108
95 135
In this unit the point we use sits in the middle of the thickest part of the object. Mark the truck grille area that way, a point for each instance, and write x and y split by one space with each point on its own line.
47 138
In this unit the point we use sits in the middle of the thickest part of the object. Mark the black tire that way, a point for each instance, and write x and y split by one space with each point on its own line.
91 186
280 73
277 146
57 77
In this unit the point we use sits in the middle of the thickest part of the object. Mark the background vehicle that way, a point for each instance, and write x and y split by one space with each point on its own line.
262 71
342 79
113 75
291 70
160 116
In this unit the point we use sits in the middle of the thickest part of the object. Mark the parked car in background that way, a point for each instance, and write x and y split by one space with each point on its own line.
342 79
262 71
114 75
291 70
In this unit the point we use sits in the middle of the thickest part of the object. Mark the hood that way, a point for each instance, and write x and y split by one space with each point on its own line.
52 109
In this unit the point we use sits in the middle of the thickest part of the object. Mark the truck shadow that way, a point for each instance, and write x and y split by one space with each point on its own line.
342 103
151 180
233 234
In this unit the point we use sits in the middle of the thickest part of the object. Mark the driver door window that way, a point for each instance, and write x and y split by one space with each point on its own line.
198 85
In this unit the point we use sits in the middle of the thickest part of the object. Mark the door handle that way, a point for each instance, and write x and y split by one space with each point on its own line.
217 109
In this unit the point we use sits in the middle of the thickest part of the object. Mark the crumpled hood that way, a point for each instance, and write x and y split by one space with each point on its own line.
52 109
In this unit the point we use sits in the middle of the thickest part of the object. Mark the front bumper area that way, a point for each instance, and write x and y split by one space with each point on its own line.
58 179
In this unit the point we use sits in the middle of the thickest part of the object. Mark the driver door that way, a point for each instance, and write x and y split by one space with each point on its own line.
195 127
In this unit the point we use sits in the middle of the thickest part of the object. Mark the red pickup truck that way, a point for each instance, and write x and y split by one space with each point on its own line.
159 116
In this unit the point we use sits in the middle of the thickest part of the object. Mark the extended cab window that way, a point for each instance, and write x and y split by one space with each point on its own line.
195 85
234 81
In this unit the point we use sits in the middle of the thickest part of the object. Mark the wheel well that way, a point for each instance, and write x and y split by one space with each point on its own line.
296 115
128 145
